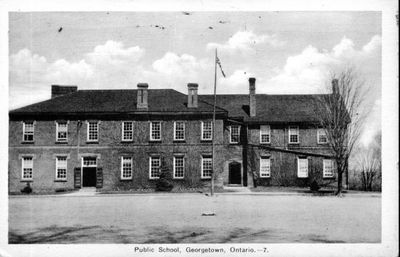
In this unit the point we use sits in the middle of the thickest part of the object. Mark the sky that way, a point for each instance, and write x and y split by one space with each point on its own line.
287 52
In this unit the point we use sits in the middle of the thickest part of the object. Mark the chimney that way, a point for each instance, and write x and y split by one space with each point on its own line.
192 95
252 96
57 90
335 86
142 94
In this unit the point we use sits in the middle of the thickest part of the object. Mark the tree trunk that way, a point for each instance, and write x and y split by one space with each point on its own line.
339 188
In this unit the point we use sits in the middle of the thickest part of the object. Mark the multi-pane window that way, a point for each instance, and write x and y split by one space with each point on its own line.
93 131
322 138
234 134
155 165
206 130
27 168
293 135
265 134
265 167
179 166
155 130
206 166
126 167
62 131
28 131
179 130
89 161
328 168
302 167
61 168
127 131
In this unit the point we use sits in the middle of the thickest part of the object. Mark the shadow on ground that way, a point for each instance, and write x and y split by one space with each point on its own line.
159 234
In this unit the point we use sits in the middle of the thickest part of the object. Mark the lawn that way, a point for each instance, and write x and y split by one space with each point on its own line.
177 218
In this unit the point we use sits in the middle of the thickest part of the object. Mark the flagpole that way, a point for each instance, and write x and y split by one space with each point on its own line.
213 126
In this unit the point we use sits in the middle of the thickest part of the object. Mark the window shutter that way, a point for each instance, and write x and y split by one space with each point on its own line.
77 177
271 166
99 177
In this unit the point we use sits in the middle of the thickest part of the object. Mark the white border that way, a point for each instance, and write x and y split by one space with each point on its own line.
389 8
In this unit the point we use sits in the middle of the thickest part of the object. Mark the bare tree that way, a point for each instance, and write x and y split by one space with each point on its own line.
340 115
369 165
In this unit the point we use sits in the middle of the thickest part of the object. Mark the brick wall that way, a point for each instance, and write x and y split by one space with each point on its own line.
109 149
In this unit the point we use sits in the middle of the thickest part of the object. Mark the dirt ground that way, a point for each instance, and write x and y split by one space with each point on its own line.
177 218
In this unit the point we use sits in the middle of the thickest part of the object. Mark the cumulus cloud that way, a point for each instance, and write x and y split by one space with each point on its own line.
308 71
244 41
114 53
109 65
234 83
184 65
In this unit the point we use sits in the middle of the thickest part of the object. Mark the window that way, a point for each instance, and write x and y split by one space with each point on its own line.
293 135
234 134
93 131
155 131
28 131
61 168
126 167
127 131
206 130
265 167
27 168
179 130
328 168
89 162
155 165
179 166
265 134
302 167
206 167
322 138
62 131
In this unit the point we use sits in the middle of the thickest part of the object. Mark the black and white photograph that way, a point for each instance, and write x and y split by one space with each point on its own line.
199 132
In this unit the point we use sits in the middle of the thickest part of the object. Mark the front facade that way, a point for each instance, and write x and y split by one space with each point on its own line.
121 139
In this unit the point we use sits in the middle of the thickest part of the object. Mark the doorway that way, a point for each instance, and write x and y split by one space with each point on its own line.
235 173
89 167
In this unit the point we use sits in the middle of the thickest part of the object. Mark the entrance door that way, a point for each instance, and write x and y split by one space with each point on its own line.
235 174
89 168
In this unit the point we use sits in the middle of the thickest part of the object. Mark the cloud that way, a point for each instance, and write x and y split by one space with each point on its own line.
108 65
235 83
308 71
114 53
174 65
244 41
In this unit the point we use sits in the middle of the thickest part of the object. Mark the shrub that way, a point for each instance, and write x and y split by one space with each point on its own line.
314 186
164 183
27 189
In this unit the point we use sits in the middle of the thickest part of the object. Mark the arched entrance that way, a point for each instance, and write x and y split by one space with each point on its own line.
235 173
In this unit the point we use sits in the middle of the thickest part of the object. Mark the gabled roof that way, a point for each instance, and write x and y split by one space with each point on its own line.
115 101
270 108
